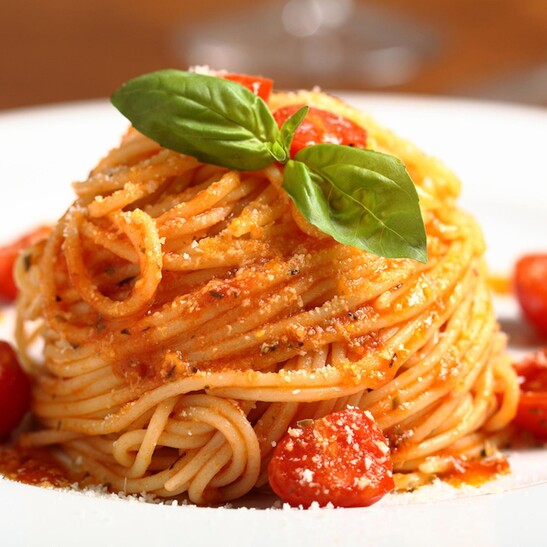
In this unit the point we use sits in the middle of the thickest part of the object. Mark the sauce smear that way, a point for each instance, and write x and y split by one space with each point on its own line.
476 472
34 466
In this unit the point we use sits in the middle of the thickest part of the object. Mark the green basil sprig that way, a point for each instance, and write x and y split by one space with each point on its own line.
359 197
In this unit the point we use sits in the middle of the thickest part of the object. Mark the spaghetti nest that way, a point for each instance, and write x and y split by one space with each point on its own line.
189 316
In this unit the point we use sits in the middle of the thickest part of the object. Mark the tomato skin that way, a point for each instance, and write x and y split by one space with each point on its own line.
14 390
8 256
532 408
342 458
257 84
320 126
530 282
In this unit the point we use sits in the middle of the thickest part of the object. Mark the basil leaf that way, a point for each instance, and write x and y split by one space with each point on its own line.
290 126
216 121
281 149
360 197
278 152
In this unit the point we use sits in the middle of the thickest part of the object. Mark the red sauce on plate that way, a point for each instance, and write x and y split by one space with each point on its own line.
34 466
476 472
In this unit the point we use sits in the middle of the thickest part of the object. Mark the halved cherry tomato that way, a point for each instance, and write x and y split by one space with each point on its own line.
341 459
532 409
8 255
14 390
320 126
531 289
257 84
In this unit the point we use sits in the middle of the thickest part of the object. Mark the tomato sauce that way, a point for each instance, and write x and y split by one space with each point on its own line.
500 284
35 466
476 472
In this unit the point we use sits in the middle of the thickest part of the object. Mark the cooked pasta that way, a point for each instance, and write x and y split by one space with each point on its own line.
189 316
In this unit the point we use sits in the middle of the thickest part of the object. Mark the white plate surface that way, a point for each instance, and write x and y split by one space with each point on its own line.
498 152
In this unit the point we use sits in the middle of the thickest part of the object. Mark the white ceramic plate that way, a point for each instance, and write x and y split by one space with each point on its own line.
498 152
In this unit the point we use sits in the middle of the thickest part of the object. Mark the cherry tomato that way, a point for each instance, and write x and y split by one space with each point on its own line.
8 255
320 126
532 408
257 84
14 390
342 458
531 289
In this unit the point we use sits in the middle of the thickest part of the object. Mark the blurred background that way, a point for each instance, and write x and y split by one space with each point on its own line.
65 50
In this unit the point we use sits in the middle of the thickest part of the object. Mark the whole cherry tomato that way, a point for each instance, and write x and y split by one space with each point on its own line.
531 289
8 255
257 84
14 390
532 408
320 126
342 458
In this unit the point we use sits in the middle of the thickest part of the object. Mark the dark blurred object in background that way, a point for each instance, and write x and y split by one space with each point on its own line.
331 43
65 50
